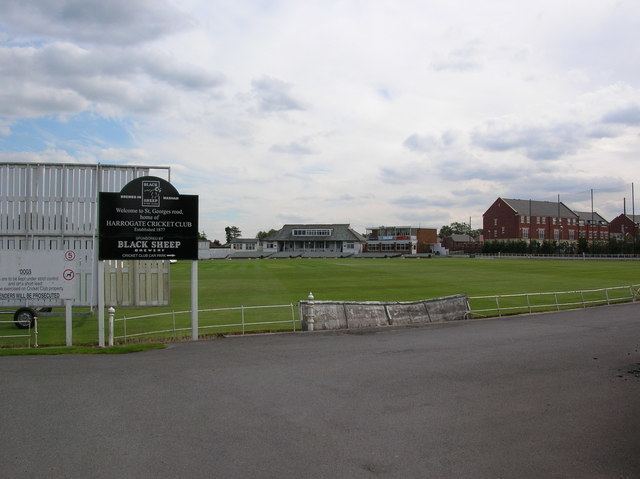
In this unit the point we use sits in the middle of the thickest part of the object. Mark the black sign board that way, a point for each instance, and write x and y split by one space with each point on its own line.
147 220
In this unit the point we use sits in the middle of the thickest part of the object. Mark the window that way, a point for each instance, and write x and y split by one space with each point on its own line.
503 230
523 219
571 234
538 220
554 220
311 232
556 234
541 234
495 221
251 246
525 233
348 245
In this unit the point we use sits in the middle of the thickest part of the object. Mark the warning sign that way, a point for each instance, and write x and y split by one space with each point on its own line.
37 278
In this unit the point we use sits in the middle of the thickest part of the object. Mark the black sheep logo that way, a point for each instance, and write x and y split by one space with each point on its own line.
151 193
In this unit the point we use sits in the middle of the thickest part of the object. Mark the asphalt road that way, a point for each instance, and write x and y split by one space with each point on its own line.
553 395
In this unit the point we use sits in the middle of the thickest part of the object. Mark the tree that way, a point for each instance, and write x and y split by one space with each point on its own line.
232 232
265 234
216 244
202 236
459 229
446 231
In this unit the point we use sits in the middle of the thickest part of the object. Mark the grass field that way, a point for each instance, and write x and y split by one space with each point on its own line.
268 282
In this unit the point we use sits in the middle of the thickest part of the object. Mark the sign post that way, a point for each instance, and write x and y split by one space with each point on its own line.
194 300
68 322
148 220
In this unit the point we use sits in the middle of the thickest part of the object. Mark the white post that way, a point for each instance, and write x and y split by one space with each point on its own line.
311 321
112 313
101 304
68 323
194 300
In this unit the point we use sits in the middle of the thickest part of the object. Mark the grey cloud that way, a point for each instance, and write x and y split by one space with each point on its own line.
420 143
292 218
429 218
28 100
468 192
119 22
293 148
538 143
549 184
409 173
274 95
624 116
417 202
429 142
129 79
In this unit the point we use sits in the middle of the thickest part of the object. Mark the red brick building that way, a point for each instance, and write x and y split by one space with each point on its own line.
461 242
593 226
512 219
624 226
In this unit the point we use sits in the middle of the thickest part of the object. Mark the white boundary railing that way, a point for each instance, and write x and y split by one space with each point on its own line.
242 325
528 306
26 335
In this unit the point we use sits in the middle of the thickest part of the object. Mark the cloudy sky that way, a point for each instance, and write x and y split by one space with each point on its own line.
367 112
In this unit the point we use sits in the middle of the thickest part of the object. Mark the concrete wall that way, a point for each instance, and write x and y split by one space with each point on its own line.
354 315
214 253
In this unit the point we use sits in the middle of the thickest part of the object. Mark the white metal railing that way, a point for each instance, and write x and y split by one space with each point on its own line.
559 255
27 335
522 302
172 328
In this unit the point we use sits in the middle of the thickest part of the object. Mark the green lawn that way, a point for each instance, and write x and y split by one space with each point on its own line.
268 282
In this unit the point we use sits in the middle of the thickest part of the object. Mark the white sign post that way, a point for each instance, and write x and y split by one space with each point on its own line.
194 300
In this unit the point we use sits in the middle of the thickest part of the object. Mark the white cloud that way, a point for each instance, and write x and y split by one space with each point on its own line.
359 114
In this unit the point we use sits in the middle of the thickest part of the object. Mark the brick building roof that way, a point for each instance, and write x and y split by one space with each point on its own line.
540 208
586 217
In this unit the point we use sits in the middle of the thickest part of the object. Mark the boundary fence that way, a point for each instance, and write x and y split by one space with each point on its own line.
175 324
25 333
551 256
528 303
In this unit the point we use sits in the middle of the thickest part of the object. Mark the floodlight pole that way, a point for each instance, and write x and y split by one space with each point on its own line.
194 300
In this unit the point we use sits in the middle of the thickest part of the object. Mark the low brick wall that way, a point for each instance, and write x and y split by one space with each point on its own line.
369 314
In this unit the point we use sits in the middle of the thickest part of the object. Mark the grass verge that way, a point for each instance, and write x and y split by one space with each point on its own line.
124 349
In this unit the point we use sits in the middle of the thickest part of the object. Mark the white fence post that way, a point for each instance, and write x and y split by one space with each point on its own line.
35 331
68 323
293 318
112 313
311 320
242 317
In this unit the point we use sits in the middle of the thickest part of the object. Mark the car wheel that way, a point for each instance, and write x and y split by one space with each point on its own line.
24 318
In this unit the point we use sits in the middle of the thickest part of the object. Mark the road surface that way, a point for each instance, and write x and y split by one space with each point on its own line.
549 395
